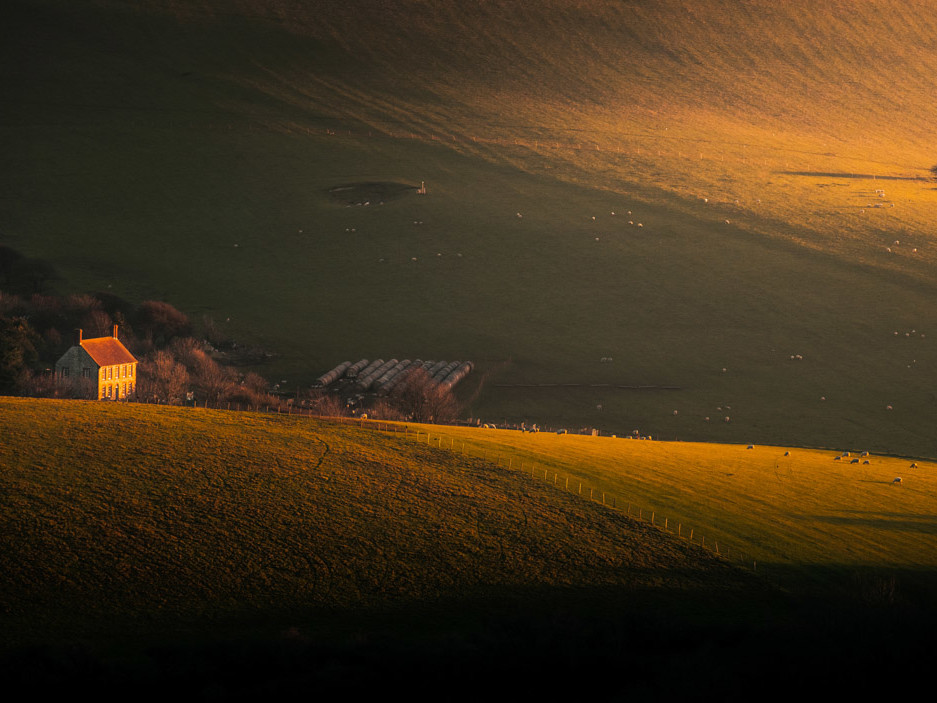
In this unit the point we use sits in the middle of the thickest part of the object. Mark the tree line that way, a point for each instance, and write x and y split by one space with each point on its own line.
175 365
38 327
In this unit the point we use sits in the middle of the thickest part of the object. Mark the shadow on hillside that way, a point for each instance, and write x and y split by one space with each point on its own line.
858 176
590 643
926 524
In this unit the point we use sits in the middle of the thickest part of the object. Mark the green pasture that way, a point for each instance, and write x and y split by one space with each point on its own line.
187 155
132 522
803 515
184 549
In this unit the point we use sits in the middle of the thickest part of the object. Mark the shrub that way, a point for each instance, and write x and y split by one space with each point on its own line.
160 322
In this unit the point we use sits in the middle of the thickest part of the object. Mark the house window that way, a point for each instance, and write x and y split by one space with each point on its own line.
86 372
123 390
109 369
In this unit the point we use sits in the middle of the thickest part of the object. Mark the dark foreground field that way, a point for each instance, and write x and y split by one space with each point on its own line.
226 556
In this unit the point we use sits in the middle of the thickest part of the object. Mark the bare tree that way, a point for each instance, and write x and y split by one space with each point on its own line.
162 378
421 399
160 322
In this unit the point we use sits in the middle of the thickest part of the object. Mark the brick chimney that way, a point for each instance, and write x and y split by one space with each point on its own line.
115 332
80 337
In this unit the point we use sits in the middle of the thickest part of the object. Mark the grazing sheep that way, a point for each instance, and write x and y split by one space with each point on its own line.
854 461
913 464
866 461
751 446
897 480
787 453
837 458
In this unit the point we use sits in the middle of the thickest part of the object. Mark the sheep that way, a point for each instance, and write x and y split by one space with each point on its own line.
897 480
866 461
854 461
787 453
750 446
913 464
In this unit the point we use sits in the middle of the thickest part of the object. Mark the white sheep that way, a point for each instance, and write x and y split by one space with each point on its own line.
897 480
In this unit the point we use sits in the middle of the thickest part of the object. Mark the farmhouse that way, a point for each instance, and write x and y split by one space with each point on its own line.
101 366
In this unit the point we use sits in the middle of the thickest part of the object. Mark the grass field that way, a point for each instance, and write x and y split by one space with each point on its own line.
802 514
229 554
133 521
170 151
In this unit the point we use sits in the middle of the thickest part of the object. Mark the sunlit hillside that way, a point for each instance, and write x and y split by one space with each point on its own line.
785 117
179 549
730 200
806 516
126 517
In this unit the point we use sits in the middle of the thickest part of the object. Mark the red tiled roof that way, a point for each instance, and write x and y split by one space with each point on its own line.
107 351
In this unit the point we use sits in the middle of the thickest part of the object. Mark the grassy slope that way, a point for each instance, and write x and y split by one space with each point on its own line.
232 554
162 138
805 515
125 521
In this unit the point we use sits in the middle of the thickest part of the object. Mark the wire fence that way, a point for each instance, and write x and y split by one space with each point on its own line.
574 485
